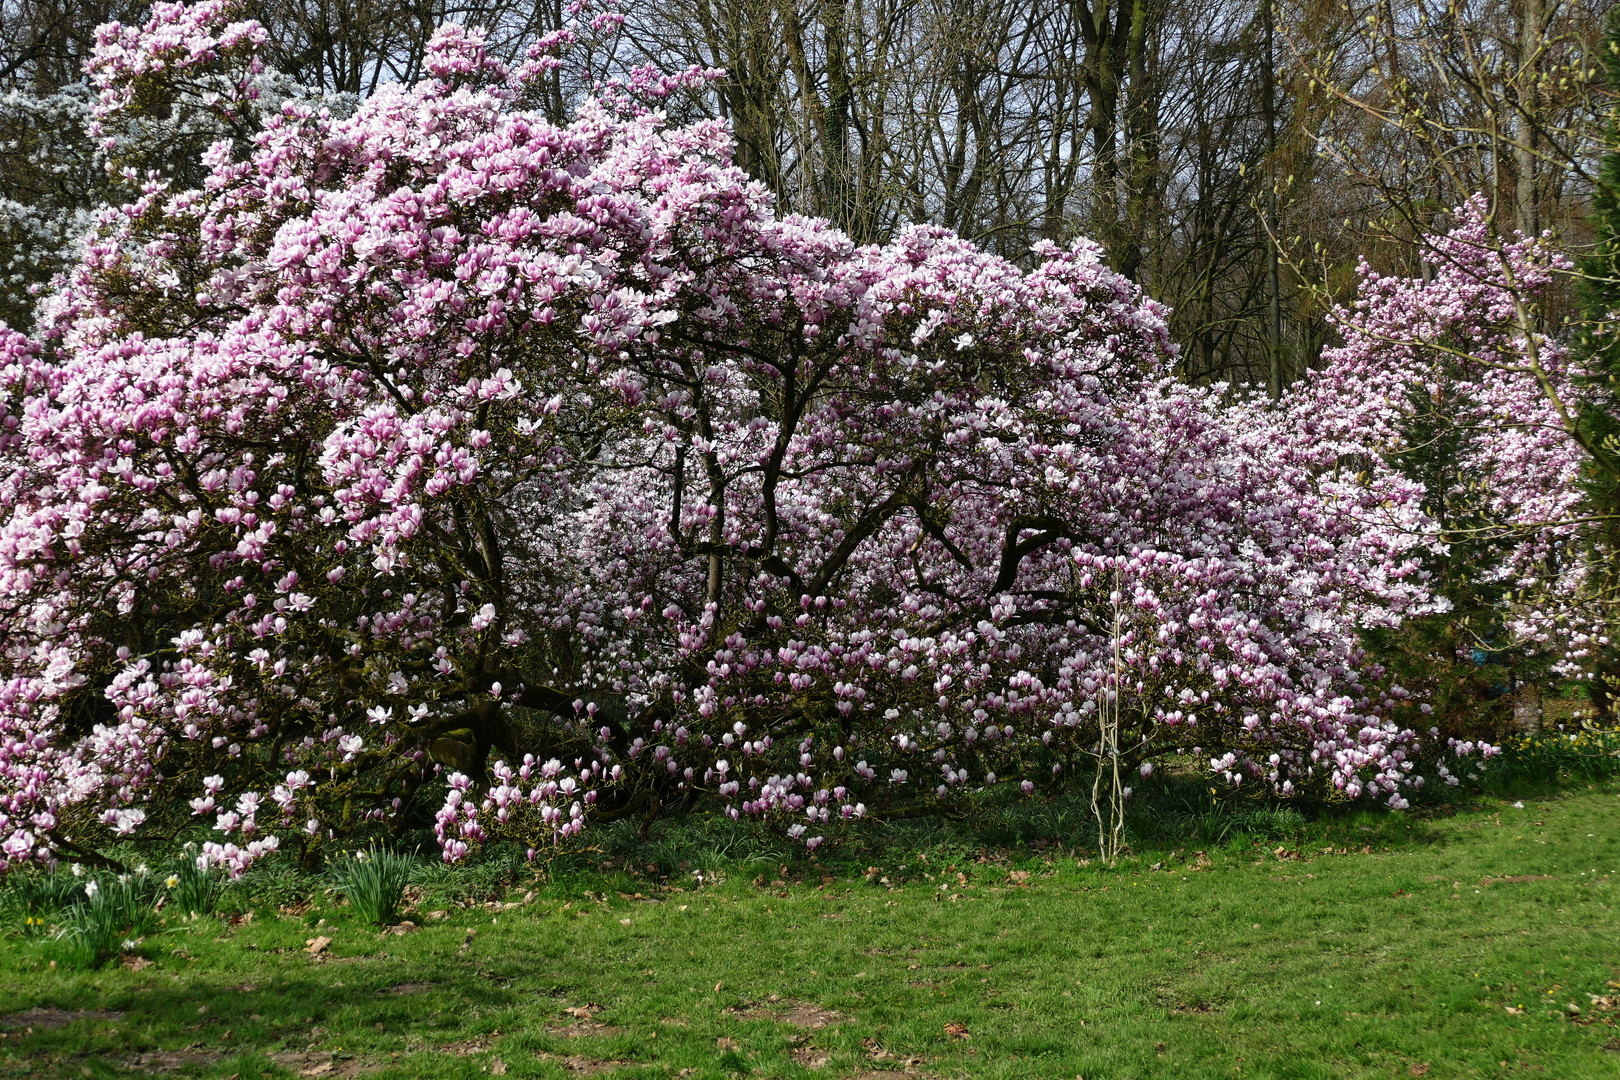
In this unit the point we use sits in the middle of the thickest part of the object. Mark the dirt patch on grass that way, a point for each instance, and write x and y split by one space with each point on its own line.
802 1014
465 1047
876 1051
163 1061
305 1063
314 1063
46 1019
799 1014
584 1023
1199 1007
580 1066
811 1057
407 988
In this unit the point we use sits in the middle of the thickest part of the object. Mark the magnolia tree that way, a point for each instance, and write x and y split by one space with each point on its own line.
1448 382
62 155
441 451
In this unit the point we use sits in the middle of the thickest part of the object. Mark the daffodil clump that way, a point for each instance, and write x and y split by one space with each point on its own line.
1549 756
112 917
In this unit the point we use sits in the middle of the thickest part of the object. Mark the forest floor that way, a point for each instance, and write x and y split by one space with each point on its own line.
1480 941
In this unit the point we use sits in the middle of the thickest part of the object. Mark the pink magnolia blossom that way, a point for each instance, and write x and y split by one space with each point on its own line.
1465 336
439 417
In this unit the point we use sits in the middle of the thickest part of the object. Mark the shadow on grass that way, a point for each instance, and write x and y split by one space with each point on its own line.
1169 812
348 1015
1174 811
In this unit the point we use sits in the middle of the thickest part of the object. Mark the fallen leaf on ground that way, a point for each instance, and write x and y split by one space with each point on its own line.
497 1067
726 1042
957 1031
317 945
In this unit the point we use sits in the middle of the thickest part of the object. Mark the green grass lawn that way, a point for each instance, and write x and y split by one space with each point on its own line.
1453 947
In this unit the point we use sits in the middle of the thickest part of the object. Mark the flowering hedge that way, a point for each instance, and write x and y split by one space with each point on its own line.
442 441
